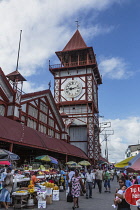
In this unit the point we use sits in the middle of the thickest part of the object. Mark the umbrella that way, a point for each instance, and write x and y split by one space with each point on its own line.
84 163
47 158
53 160
71 163
123 163
5 163
44 158
75 166
134 164
7 155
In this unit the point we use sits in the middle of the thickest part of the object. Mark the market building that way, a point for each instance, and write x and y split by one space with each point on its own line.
67 125
31 122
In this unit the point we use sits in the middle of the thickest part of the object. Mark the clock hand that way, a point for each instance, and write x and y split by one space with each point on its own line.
71 88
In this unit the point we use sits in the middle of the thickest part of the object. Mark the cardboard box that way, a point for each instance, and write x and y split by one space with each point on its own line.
55 195
41 204
49 200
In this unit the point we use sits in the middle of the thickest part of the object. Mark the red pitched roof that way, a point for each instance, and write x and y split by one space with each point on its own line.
12 131
15 75
6 81
103 159
76 42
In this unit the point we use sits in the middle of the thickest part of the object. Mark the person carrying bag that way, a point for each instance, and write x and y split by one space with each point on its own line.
77 184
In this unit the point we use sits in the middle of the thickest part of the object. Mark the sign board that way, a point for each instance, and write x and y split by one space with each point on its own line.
41 204
55 195
132 195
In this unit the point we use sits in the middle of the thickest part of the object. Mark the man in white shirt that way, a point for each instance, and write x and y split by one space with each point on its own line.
99 178
71 174
89 182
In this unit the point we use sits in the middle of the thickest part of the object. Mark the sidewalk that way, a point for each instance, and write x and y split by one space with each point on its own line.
99 201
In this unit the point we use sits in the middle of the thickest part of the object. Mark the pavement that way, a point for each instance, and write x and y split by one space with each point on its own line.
99 201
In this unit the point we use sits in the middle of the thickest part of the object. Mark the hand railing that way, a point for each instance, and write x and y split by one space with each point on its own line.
80 63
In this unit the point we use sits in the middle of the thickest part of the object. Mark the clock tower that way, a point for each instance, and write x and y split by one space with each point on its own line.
76 94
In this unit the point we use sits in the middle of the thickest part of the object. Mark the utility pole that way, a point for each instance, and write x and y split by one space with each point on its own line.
106 133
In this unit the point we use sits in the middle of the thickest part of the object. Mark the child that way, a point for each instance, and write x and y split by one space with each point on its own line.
117 199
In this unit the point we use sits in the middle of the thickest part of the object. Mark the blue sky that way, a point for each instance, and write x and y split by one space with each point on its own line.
111 27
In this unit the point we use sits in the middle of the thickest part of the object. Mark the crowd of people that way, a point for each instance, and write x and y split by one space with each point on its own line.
84 182
80 183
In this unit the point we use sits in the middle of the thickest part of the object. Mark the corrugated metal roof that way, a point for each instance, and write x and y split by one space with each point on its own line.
15 75
103 159
76 42
134 148
17 133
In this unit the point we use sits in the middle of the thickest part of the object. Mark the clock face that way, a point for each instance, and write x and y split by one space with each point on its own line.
73 88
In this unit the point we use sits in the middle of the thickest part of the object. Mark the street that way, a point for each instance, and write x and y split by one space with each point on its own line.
98 202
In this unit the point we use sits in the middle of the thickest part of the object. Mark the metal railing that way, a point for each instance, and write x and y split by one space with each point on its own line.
80 63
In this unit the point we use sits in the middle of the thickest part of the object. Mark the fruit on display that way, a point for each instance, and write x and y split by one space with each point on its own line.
62 179
56 187
40 172
31 183
31 190
21 191
30 186
50 185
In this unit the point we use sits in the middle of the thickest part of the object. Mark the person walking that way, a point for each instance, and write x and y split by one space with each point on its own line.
134 180
71 174
99 178
76 186
106 178
89 177
138 178
7 189
128 183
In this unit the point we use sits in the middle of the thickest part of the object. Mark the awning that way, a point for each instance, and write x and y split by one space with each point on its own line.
17 133
102 160
123 163
134 164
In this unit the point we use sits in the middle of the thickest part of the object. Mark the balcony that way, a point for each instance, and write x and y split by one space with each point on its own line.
72 64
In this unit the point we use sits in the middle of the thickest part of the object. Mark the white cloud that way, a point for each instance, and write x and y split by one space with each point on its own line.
32 87
126 132
114 68
46 29
95 31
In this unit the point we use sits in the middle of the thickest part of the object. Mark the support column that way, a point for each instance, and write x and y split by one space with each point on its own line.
11 147
78 59
66 158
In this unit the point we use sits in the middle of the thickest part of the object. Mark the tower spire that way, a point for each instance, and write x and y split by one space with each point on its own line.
18 50
77 24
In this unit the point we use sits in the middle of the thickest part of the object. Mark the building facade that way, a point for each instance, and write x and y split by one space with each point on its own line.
76 81
30 124
132 150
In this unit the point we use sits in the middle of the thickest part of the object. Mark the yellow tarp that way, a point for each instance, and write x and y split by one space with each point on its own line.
123 163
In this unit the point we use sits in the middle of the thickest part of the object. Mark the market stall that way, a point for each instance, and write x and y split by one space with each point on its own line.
40 194
46 190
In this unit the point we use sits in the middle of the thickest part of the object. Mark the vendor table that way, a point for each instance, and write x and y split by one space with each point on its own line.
21 180
20 201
